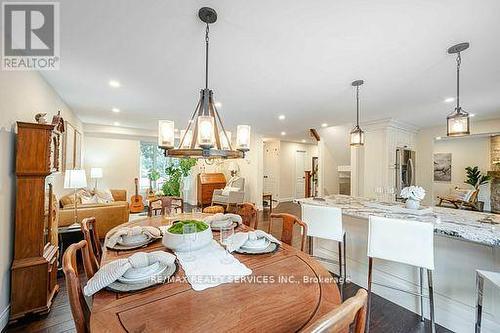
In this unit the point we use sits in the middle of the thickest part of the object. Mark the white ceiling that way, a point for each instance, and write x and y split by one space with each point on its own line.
268 58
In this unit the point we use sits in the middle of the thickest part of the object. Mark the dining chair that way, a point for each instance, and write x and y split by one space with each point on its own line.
340 319
289 221
94 247
79 308
165 204
389 239
326 223
249 215
493 278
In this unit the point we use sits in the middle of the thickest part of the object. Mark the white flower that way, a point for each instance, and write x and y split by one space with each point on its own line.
413 192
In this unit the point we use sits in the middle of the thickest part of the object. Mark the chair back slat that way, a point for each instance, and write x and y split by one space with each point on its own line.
405 241
165 205
79 307
94 246
352 311
289 221
323 222
248 213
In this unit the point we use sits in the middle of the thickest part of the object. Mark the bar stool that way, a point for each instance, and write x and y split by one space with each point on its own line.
492 277
326 222
404 241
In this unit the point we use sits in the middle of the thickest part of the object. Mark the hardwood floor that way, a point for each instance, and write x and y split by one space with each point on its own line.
387 317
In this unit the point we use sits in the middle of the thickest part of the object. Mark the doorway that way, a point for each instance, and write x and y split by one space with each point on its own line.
300 168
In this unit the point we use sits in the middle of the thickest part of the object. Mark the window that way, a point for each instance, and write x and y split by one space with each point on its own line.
152 159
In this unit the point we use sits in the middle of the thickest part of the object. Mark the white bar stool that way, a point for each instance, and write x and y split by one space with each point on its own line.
326 222
492 277
405 241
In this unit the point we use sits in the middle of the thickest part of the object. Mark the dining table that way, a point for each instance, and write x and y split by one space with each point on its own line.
286 291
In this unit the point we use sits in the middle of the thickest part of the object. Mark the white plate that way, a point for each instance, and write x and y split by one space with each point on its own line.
221 223
133 240
260 243
137 273
159 269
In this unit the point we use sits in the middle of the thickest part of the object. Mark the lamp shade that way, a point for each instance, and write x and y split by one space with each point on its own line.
243 137
357 136
166 134
75 179
96 173
458 123
206 136
225 142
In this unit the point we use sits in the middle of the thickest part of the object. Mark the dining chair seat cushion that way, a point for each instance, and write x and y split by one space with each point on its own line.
493 277
213 209
323 222
240 238
114 270
219 217
117 236
405 241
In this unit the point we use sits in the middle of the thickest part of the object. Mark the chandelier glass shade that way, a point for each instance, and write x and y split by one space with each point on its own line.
458 122
205 135
357 135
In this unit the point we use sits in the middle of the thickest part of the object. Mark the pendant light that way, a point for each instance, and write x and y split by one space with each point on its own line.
458 121
357 134
205 135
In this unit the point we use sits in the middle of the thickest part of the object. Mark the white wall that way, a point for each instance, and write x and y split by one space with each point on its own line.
468 151
22 95
425 151
118 157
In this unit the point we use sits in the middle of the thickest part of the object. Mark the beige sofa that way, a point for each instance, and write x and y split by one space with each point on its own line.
108 215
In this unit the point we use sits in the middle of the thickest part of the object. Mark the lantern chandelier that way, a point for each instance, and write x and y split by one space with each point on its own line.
205 135
357 134
458 121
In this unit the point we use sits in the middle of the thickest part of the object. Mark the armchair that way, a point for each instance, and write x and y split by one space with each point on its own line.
232 194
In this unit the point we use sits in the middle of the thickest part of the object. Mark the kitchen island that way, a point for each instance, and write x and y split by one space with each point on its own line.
465 241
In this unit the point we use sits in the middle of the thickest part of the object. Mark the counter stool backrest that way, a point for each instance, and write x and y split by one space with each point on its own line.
404 241
323 222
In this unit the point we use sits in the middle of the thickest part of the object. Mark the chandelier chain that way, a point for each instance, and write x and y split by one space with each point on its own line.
357 106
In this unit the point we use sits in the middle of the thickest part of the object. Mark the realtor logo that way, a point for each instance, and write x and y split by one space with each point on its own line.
30 36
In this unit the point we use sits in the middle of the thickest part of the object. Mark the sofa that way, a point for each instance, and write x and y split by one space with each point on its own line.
108 215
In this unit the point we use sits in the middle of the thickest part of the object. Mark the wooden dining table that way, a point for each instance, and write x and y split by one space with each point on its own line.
289 290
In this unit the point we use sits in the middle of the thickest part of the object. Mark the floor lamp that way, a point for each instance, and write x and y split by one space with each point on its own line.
75 179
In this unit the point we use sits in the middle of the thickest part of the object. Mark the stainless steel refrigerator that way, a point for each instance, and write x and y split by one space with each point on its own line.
405 169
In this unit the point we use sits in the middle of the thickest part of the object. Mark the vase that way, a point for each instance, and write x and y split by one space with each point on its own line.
412 204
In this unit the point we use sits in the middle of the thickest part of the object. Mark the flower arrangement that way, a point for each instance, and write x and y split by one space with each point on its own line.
413 195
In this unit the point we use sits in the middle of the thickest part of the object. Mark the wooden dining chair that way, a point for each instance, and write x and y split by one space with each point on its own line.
249 215
352 311
79 308
94 247
289 221
165 204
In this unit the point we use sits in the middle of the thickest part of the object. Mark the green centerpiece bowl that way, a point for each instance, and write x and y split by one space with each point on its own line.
175 240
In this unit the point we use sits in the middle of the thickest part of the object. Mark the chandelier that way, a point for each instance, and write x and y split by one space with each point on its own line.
457 122
205 135
357 134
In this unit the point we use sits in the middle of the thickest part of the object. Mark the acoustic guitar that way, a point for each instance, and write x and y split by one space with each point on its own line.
136 204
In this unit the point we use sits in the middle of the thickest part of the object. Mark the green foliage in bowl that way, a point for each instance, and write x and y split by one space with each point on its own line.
177 227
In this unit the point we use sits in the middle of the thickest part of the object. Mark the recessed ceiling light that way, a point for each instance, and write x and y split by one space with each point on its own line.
438 138
324 125
472 114
283 133
303 141
116 123
115 110
114 83
449 99
218 104
281 117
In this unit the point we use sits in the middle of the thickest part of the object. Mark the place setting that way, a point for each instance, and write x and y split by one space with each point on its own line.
253 242
219 221
131 238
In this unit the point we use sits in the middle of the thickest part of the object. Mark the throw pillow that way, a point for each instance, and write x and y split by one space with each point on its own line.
89 199
104 196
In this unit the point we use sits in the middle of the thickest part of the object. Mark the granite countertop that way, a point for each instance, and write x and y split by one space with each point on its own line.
483 228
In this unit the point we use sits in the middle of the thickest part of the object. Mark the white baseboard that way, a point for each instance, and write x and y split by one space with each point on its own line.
4 318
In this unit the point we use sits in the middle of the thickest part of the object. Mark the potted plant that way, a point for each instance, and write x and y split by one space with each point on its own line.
176 171
413 196
475 178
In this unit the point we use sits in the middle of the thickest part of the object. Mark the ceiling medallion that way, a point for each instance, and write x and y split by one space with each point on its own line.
205 135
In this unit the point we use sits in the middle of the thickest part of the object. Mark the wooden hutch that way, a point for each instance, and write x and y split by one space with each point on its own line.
34 269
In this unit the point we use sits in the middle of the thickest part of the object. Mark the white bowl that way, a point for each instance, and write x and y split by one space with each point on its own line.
177 242
133 239
259 243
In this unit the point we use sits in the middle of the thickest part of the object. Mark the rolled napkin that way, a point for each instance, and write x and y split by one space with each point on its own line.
114 270
240 238
116 237
217 220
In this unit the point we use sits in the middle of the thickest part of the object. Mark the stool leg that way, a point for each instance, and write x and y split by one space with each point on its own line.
341 279
479 303
310 247
368 310
431 300
344 252
421 294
